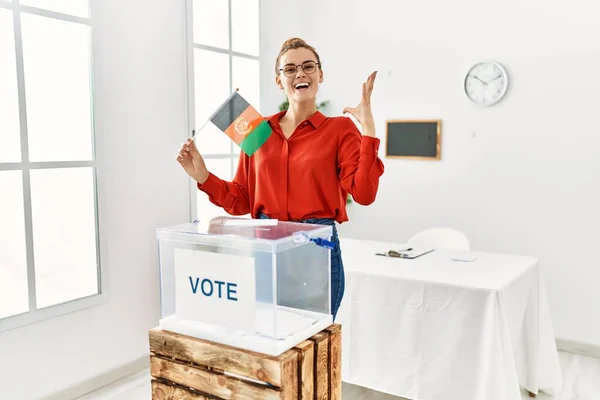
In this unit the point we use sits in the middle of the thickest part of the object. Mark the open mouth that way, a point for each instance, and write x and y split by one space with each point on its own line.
302 86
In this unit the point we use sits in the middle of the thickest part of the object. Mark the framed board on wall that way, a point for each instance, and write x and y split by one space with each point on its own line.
414 139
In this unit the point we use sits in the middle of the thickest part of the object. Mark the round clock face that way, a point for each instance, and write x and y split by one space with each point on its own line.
486 83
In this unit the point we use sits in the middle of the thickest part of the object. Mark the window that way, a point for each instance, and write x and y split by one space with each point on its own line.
49 259
224 56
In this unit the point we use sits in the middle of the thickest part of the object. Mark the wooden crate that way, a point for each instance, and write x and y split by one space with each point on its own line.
186 368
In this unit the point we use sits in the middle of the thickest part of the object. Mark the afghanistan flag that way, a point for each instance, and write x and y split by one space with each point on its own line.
242 123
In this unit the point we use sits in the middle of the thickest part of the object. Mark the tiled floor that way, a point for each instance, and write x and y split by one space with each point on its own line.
581 382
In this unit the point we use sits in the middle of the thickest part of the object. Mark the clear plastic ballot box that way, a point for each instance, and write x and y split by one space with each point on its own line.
260 285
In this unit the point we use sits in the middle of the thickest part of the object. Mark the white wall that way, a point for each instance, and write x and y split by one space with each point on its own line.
520 177
140 123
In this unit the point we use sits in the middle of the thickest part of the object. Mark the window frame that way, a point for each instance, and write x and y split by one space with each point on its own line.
190 45
34 315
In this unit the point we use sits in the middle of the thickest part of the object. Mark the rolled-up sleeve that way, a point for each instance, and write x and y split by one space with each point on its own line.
359 164
231 196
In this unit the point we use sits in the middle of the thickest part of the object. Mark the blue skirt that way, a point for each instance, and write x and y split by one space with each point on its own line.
338 279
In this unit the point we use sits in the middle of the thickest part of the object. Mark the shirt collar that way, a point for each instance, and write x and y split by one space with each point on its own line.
316 119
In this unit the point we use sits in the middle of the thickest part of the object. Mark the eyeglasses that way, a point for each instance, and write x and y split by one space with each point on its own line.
308 67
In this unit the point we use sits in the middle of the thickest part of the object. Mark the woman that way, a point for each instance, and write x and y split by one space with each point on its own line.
309 164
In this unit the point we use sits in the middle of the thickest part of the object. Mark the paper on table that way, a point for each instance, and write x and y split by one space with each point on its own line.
465 257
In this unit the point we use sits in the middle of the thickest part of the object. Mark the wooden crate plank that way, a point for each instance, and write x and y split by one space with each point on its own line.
321 363
162 391
306 365
289 386
238 361
335 361
222 386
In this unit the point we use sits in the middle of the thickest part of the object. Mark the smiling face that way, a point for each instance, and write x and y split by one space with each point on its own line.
300 84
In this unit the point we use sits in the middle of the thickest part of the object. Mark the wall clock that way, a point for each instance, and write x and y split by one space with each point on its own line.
486 83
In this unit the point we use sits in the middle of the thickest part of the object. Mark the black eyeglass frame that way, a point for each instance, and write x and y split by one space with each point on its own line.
317 64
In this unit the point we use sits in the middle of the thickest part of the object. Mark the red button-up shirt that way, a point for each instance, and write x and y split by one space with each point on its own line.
306 176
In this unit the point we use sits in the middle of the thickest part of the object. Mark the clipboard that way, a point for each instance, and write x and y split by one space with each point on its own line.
410 252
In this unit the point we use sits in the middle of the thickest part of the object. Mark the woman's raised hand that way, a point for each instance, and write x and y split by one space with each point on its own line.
362 112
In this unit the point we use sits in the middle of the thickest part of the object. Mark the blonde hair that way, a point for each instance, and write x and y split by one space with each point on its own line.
294 43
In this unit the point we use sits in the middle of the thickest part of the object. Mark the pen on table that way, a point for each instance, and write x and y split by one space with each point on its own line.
394 253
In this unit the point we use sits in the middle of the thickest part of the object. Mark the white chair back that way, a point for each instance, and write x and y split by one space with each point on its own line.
441 238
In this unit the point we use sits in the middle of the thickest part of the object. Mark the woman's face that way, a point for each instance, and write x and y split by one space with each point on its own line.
299 83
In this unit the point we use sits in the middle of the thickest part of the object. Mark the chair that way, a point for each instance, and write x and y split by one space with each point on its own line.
441 238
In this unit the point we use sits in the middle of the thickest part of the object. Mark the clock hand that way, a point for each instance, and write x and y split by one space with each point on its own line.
482 81
499 76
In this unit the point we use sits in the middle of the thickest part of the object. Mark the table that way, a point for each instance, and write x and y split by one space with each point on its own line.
434 328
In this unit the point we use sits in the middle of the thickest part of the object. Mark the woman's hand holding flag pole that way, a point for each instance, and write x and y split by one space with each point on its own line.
238 120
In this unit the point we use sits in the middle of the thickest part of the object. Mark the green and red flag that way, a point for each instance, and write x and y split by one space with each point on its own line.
242 123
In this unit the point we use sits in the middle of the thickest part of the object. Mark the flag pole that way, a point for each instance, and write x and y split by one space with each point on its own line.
194 133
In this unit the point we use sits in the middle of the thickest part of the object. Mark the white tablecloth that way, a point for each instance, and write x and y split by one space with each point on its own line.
434 328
